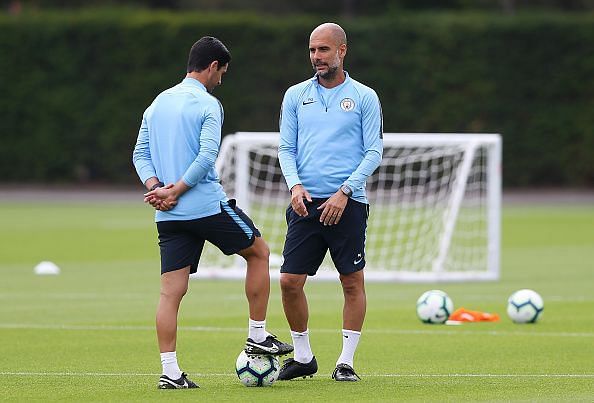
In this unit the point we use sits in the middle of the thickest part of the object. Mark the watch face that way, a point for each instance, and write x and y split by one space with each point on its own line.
346 190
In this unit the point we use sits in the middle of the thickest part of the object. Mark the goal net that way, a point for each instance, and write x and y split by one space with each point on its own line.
434 216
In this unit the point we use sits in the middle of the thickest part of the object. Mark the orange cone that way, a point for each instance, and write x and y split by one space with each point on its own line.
466 315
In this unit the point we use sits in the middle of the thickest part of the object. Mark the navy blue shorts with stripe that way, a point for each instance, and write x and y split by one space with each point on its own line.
308 239
181 242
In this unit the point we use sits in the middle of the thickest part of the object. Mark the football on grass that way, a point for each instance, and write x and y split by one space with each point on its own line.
525 306
257 370
434 306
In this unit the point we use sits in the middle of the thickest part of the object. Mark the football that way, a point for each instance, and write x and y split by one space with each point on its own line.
434 306
257 370
525 306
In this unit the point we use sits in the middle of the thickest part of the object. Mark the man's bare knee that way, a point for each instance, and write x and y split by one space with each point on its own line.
258 250
174 284
174 292
291 283
352 285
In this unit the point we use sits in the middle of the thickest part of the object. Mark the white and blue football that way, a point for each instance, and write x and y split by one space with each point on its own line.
257 370
525 306
434 306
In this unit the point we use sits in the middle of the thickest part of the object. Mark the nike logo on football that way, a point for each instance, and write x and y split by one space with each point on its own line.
357 261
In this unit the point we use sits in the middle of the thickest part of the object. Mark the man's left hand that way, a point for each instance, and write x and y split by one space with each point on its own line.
333 208
161 198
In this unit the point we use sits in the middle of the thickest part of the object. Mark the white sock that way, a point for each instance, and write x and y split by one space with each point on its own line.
257 330
302 353
350 339
170 367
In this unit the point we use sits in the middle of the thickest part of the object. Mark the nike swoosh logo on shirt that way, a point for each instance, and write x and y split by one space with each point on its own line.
307 103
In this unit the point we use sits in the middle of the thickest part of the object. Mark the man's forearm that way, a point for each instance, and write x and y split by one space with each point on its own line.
179 188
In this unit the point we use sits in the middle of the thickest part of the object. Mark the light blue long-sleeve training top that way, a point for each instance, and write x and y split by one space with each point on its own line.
330 137
179 137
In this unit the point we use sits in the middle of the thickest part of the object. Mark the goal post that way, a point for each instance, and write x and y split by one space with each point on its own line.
435 204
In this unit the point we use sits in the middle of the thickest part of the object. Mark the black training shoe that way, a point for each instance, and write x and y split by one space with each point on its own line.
345 373
270 346
292 369
183 382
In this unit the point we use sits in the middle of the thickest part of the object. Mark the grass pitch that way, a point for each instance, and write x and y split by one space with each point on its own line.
88 334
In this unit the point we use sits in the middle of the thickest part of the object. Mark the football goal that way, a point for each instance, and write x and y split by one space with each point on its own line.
435 206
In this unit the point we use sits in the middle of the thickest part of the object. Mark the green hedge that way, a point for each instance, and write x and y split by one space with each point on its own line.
73 86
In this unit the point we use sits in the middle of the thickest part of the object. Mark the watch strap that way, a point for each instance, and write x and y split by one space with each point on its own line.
157 185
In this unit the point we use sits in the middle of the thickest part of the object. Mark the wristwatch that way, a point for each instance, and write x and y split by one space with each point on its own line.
346 190
157 185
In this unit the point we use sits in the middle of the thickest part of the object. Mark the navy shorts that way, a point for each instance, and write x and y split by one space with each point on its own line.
181 242
308 239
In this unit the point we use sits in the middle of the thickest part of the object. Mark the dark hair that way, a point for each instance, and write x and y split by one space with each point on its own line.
205 51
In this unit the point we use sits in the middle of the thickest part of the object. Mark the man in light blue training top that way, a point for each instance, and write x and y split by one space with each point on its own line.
177 145
330 142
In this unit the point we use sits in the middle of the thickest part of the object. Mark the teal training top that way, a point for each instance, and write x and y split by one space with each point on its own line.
179 138
330 137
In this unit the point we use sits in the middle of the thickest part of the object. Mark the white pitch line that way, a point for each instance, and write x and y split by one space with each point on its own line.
435 330
22 373
482 375
116 327
479 332
123 374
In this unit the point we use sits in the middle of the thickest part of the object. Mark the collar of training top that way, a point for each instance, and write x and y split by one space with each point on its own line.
314 79
194 83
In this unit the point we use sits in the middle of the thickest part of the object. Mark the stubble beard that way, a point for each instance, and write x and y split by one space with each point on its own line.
330 74
332 70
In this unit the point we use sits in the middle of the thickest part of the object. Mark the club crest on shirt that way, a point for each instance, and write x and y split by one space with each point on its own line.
347 104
